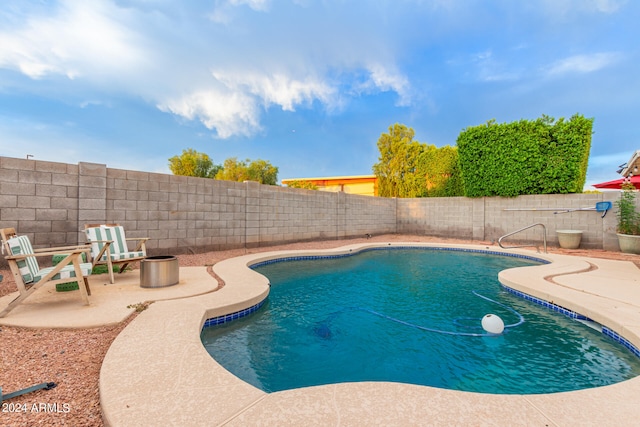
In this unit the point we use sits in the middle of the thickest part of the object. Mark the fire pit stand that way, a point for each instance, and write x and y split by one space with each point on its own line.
159 271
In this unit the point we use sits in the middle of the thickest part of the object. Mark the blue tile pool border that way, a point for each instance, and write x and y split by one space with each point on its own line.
386 248
622 340
226 318
576 316
551 306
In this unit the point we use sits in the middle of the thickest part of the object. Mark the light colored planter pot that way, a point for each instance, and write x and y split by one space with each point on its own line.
569 239
629 244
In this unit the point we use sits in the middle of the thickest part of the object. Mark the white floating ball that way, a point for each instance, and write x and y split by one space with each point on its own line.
492 324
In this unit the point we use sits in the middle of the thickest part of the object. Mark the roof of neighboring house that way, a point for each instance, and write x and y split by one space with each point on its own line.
333 179
632 166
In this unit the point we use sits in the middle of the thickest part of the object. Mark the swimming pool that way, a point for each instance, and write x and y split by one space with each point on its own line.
372 316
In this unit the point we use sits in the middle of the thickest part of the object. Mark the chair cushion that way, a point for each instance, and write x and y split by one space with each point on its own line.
95 235
127 255
66 272
116 234
20 245
118 249
113 234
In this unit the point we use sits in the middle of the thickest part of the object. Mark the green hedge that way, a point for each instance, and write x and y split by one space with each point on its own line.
525 157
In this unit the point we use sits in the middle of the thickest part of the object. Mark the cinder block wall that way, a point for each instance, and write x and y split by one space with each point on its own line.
277 214
50 202
40 199
597 232
179 214
492 217
442 216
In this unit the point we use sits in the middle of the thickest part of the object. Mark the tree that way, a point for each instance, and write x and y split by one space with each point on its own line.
408 168
439 167
193 163
263 172
233 170
396 169
258 170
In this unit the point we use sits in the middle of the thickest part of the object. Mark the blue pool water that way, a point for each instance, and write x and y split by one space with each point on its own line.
374 316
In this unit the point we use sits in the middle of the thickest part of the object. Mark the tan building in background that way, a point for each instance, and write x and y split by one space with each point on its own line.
365 185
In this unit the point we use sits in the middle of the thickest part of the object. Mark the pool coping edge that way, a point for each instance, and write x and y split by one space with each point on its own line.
244 288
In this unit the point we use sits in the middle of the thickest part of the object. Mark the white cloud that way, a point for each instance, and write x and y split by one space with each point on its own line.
165 53
267 60
79 39
586 63
234 107
228 113
386 79
280 89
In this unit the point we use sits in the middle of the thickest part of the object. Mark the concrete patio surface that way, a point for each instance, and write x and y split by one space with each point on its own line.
157 372
109 302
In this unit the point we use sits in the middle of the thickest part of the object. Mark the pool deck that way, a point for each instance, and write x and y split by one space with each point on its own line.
157 372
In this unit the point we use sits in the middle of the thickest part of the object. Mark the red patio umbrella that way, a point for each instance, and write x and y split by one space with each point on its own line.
617 184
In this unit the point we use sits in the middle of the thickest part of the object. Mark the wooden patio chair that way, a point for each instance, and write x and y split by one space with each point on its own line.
109 246
28 274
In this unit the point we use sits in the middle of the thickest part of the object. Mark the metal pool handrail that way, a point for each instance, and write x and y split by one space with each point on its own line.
544 237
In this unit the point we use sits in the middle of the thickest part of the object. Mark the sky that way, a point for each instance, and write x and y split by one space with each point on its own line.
307 85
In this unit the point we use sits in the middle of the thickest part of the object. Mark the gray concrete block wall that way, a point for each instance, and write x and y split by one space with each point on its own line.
492 217
179 214
287 215
131 201
367 215
478 218
443 216
505 215
610 223
40 198
50 202
92 192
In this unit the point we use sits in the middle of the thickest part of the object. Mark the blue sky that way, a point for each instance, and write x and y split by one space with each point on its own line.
307 85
